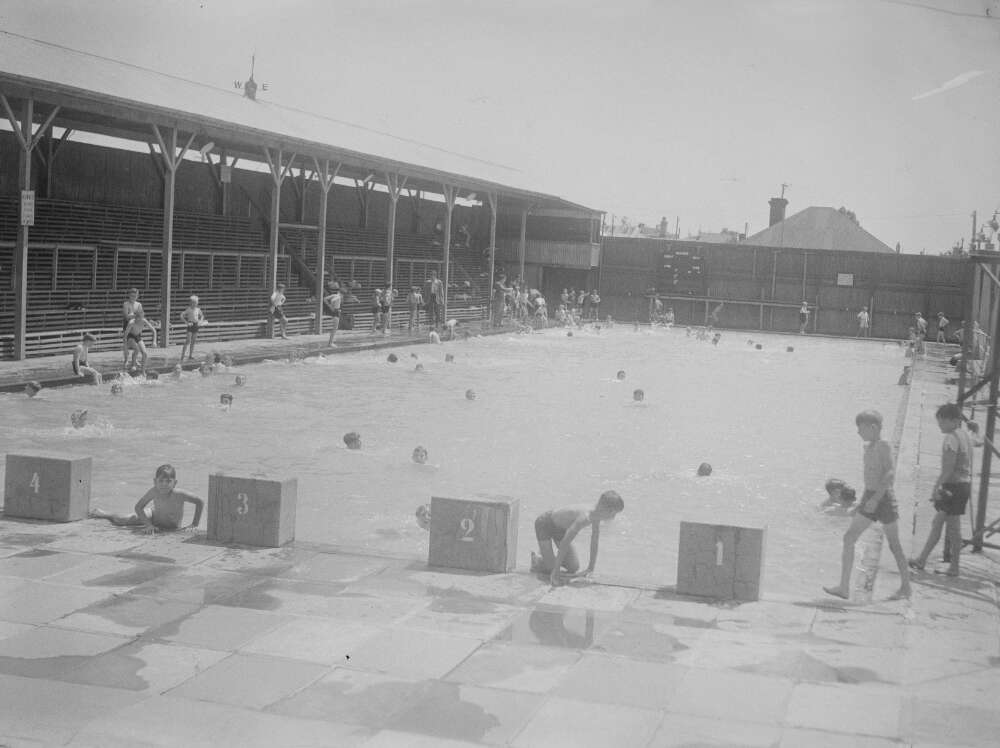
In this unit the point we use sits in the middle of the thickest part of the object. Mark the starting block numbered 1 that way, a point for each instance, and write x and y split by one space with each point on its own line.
52 487
478 534
251 511
720 561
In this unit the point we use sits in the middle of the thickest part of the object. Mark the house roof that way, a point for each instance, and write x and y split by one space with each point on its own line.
818 228
115 97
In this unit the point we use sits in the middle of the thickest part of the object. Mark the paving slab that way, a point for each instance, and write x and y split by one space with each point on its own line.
618 680
413 653
685 731
566 723
318 640
127 615
144 666
38 602
168 721
217 627
355 697
531 669
250 680
462 712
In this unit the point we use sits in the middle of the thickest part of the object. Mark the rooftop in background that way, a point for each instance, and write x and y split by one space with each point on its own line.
108 96
818 228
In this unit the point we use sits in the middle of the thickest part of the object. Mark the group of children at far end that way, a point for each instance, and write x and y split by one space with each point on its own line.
949 496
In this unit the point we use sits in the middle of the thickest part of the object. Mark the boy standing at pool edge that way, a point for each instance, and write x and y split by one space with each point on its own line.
167 510
878 504
558 527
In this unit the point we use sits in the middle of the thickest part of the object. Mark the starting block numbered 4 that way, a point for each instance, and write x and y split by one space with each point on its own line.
52 487
251 511
478 534
720 561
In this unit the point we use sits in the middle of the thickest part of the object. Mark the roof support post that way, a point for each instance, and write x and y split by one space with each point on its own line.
450 193
395 185
492 198
522 244
171 160
27 142
279 170
325 179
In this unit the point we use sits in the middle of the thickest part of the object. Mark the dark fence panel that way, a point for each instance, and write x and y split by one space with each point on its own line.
762 287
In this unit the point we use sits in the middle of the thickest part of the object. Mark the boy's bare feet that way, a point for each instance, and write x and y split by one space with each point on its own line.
837 592
915 565
901 594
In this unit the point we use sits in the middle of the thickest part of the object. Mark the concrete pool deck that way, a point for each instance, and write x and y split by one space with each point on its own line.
109 638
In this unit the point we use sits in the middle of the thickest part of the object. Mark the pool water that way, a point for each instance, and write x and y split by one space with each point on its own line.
550 425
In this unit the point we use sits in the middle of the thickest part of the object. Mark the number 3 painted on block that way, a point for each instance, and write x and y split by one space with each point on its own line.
242 506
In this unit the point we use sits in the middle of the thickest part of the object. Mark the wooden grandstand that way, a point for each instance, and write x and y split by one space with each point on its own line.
83 258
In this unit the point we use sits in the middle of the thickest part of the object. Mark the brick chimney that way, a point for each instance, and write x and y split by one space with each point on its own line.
778 205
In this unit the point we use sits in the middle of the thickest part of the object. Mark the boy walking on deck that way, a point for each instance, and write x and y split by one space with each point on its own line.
952 489
878 504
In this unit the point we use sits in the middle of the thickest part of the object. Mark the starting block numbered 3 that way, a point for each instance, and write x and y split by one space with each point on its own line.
478 534
52 487
720 561
251 511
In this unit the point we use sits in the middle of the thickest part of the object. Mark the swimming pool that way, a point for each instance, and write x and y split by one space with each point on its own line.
550 425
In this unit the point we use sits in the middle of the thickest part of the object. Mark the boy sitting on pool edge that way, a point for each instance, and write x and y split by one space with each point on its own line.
167 510
556 529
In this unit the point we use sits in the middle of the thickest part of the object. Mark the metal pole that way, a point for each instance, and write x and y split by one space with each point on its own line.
991 416
449 206
21 248
492 197
324 185
970 301
523 242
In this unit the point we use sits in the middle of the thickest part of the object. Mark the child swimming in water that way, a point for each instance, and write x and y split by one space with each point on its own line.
839 495
556 529
167 510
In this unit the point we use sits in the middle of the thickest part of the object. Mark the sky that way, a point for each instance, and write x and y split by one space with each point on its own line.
697 111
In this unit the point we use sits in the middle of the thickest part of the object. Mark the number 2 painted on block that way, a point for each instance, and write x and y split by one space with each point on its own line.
242 504
34 482
468 527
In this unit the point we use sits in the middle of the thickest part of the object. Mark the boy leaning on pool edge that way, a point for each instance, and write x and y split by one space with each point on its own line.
557 528
167 511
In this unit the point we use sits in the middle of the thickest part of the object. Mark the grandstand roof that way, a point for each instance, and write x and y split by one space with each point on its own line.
818 228
100 94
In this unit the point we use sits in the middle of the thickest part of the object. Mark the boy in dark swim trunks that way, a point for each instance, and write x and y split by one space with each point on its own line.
952 489
194 319
167 508
878 504
133 337
80 367
556 529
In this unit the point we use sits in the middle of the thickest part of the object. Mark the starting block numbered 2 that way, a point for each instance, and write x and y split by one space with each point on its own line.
478 534
720 561
52 487
251 511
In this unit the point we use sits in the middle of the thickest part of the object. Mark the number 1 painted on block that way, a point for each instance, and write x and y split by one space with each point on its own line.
718 552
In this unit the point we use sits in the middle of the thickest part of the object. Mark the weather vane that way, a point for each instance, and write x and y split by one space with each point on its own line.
249 87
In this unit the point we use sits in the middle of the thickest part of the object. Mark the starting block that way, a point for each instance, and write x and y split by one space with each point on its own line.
478 534
720 561
52 487
251 511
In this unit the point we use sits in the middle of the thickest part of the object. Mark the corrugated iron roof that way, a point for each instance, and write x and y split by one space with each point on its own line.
52 67
818 228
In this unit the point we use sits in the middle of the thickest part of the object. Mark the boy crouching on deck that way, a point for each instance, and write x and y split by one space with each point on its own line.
557 528
167 509
877 504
